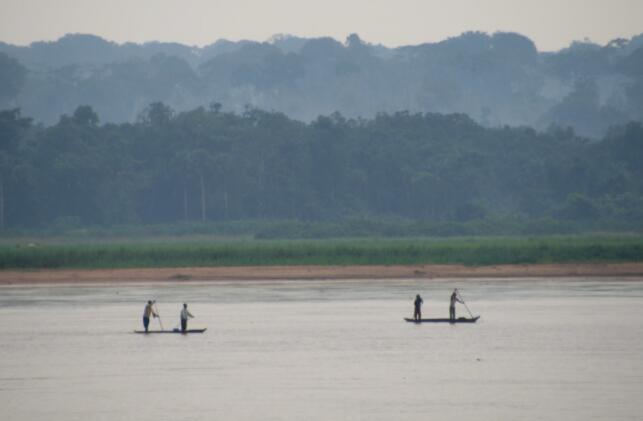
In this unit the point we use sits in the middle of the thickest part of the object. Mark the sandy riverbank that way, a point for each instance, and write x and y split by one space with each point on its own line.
14 277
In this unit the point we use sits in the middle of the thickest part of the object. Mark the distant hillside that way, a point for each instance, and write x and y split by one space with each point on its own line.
498 79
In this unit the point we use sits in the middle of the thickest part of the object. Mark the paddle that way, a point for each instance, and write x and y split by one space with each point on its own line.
465 305
158 315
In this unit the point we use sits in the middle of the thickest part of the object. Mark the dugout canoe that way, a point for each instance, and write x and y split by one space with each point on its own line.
171 331
458 320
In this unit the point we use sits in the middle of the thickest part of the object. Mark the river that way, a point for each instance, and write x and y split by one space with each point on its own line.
543 349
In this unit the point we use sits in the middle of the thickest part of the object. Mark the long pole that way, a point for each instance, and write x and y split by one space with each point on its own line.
156 310
465 305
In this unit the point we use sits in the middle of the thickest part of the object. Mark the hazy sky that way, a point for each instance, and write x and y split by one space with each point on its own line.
552 24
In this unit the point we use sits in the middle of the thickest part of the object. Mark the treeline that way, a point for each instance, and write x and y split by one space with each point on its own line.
413 172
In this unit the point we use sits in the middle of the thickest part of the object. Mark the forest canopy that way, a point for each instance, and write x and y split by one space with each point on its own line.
416 173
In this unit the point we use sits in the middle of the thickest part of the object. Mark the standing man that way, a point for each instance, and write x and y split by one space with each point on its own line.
454 299
185 314
149 311
417 313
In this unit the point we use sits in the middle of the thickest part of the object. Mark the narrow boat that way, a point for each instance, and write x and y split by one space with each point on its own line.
458 320
171 331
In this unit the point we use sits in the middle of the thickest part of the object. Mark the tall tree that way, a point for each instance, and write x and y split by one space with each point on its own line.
12 130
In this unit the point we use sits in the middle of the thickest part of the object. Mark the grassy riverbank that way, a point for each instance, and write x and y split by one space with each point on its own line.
467 251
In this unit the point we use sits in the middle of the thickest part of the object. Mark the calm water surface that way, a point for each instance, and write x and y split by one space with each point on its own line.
564 349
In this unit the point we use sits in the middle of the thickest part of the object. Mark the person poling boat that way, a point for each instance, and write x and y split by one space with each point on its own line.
149 311
417 312
454 299
185 315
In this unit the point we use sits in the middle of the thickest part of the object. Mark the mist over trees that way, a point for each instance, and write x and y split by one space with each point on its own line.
498 79
208 165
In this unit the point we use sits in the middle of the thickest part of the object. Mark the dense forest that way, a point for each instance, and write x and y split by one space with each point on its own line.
210 166
498 79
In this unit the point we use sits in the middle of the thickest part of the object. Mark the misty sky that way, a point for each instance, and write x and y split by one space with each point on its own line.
552 24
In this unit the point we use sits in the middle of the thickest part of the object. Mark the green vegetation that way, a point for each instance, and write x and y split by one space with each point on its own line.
468 251
211 186
294 229
421 174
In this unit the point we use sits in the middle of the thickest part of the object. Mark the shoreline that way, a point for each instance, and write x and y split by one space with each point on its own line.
256 273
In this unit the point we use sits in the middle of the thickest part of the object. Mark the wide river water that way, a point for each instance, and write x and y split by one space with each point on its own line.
544 349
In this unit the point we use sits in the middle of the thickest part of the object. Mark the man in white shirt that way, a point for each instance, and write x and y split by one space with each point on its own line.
185 314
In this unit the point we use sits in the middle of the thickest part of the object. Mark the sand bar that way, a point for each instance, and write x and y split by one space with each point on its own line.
25 277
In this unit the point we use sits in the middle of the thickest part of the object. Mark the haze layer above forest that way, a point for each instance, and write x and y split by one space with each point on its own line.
498 79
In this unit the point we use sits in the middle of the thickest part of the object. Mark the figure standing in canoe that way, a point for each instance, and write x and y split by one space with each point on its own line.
454 299
417 312
185 314
149 311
